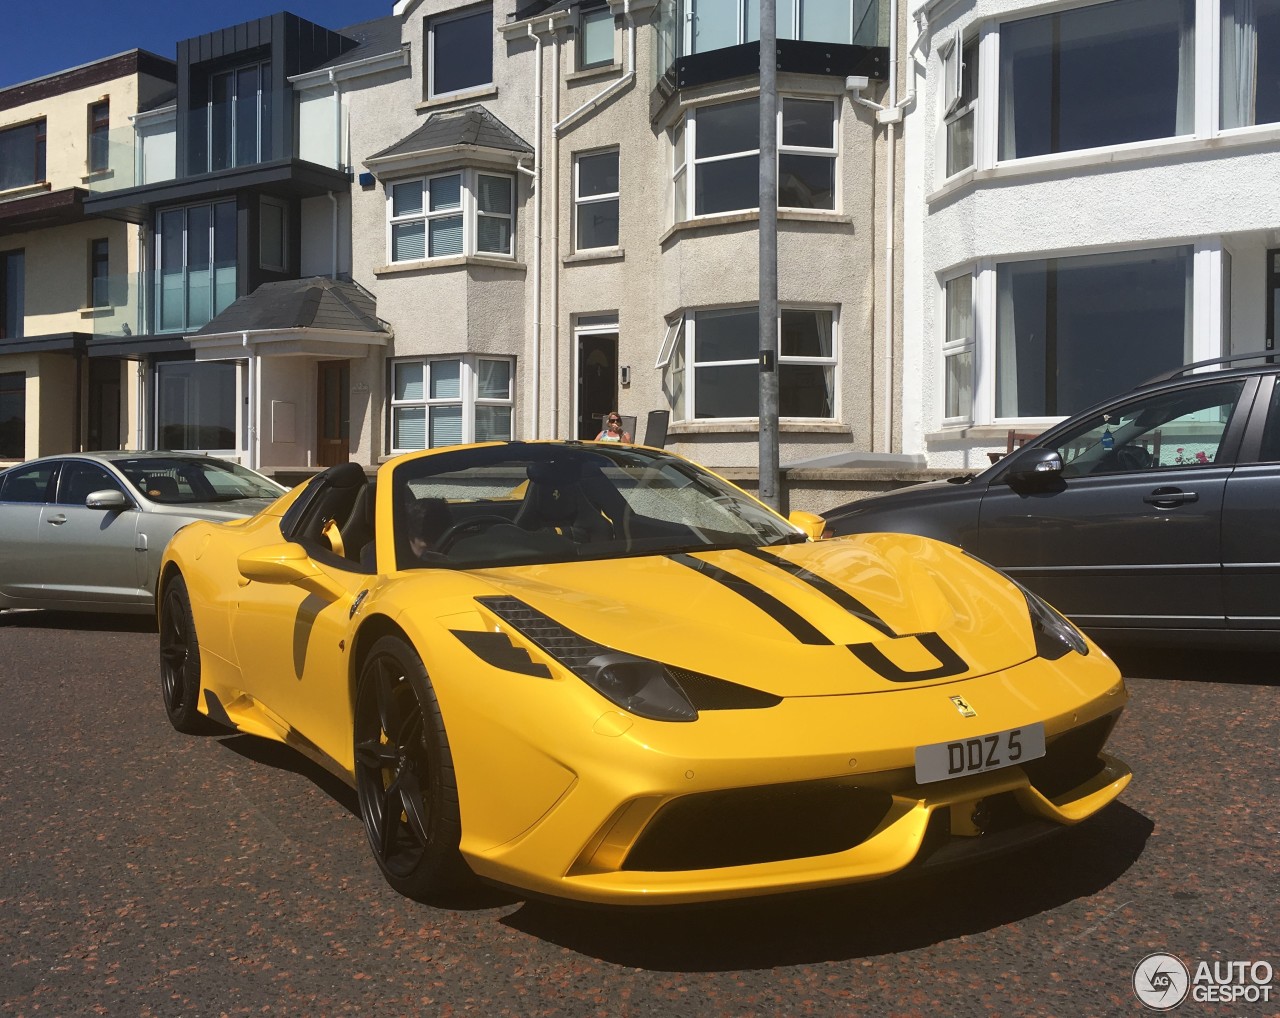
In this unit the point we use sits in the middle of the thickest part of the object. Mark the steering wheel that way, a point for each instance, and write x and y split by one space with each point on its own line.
447 539
1131 457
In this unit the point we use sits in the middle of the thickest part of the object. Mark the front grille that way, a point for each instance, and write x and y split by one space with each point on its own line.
742 826
1072 758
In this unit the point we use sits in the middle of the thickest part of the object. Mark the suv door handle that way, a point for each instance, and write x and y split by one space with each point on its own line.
58 520
1167 498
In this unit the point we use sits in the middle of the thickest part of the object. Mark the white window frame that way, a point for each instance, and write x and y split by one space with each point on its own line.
954 108
579 201
958 346
468 398
680 172
468 208
435 21
677 358
991 71
685 162
832 152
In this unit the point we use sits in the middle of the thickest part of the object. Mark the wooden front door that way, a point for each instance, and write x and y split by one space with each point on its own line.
333 413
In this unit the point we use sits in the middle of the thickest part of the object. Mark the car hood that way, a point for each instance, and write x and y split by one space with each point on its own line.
857 614
217 512
951 490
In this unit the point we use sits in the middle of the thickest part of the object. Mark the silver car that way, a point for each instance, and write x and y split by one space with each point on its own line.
85 531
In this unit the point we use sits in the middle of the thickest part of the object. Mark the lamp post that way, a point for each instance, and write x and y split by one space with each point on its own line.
768 489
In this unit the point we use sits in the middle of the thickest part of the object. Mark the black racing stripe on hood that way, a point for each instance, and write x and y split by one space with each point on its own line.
791 620
840 596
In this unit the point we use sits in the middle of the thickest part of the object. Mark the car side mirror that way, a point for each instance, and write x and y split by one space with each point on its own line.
1038 464
288 563
812 524
107 499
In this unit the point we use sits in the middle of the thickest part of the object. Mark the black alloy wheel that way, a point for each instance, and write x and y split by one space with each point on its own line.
180 660
404 775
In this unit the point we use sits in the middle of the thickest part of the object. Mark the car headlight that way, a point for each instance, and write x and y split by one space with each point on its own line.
1054 635
639 685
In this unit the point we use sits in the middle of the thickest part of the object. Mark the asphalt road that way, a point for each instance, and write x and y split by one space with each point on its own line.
151 873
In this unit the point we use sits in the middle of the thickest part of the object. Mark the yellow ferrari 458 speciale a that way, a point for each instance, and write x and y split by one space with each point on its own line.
602 673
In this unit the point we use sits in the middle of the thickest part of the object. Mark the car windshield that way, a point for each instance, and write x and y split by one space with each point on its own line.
180 480
521 504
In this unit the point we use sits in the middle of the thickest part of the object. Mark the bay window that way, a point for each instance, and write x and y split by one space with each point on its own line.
711 360
449 401
717 157
1102 75
1070 331
456 213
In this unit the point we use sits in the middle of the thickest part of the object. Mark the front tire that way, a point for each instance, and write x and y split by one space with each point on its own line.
180 660
404 775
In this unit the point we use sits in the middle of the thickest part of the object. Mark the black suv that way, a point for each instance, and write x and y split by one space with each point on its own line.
1153 515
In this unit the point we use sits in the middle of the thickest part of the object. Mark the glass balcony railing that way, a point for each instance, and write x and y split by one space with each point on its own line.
220 136
136 156
706 40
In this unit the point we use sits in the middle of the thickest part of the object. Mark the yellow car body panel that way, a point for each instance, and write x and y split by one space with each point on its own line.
560 790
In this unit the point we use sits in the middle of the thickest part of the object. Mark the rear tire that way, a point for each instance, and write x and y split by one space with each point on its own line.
180 660
404 775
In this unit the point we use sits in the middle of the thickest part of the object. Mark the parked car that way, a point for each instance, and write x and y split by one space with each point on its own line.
1152 516
85 531
601 673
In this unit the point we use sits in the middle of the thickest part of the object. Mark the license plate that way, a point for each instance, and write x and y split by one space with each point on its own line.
945 760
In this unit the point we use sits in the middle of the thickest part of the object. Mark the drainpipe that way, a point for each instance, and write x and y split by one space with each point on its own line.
555 241
536 173
890 114
614 87
339 163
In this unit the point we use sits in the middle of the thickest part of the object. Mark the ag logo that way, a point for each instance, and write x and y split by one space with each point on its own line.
962 705
1161 981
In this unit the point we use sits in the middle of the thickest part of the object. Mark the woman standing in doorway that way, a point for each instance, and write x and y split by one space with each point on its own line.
613 430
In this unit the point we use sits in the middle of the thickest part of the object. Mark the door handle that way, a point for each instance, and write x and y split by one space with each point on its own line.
1168 498
58 520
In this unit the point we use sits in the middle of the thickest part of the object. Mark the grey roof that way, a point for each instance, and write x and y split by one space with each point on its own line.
470 125
314 303
373 38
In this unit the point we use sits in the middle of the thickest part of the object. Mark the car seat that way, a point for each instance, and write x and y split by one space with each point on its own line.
554 500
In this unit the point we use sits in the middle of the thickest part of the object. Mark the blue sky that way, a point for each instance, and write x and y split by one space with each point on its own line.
40 38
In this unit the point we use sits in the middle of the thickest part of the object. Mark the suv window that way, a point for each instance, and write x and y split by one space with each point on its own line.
1183 428
1270 451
